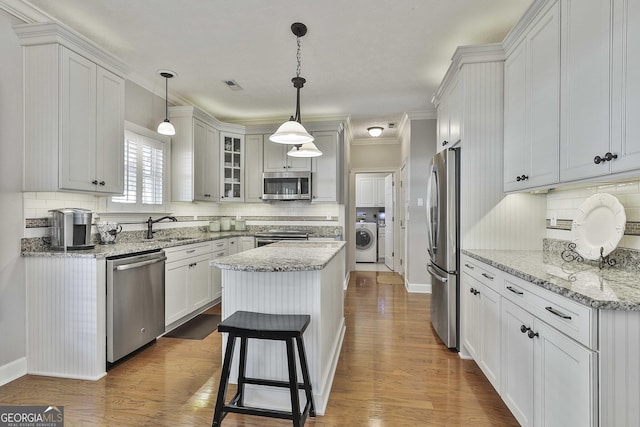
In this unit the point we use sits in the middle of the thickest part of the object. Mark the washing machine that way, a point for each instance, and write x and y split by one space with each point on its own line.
366 242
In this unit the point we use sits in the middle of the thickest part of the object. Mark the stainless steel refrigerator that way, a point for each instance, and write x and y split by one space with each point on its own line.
443 216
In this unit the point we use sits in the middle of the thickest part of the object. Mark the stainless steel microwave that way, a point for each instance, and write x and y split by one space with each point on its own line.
286 186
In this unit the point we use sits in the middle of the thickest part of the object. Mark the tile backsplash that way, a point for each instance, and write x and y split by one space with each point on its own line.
562 205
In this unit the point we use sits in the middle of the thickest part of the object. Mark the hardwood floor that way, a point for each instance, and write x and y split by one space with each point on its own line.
392 372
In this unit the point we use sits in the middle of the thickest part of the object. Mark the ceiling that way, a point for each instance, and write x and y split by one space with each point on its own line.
371 60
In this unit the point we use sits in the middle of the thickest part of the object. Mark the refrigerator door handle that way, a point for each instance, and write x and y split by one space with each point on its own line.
436 275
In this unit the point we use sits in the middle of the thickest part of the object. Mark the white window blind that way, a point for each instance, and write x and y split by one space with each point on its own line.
144 170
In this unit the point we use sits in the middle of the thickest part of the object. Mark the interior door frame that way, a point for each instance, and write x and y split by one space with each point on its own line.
350 227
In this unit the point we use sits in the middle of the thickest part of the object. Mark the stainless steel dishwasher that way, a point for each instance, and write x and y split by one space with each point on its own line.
135 302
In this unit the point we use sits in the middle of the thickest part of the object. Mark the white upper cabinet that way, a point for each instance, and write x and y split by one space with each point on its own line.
450 116
626 86
586 79
370 190
532 85
327 170
74 114
195 157
276 159
232 167
253 168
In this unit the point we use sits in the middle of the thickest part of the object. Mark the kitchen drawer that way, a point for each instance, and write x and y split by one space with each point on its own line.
569 317
217 245
187 251
482 272
220 253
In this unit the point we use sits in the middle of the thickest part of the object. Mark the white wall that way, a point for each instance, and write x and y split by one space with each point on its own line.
564 204
12 278
423 147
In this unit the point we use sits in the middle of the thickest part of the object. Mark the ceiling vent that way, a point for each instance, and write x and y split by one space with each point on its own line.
232 84
392 125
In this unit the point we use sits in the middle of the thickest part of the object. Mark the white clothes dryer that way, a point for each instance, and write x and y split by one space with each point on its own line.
366 242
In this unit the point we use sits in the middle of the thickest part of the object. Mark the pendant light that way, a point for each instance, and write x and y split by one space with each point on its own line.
292 132
165 127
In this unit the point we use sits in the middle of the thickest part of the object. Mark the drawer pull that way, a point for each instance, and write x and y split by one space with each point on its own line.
487 276
515 291
190 251
469 266
557 313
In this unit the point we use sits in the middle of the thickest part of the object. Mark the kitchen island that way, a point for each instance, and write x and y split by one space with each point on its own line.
289 278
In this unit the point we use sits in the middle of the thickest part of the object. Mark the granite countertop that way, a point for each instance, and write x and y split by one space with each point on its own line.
282 256
606 289
131 247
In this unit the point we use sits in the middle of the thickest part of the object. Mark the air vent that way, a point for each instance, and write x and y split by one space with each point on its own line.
392 125
232 84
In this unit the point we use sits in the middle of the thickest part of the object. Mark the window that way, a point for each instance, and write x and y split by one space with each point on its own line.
145 167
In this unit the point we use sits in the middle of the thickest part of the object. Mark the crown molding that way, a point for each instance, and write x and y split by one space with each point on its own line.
25 12
514 36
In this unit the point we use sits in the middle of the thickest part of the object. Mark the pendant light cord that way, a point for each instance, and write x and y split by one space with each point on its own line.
166 98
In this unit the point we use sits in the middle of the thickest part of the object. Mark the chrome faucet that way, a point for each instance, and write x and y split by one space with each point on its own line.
150 223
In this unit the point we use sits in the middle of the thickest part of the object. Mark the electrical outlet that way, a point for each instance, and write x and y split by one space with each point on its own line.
554 219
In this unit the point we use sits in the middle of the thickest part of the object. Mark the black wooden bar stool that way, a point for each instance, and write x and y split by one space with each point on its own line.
279 327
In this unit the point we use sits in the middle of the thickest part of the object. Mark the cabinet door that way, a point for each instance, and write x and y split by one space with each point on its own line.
366 192
490 341
274 156
176 301
110 132
455 107
517 363
470 315
585 98
379 201
516 146
327 177
246 242
626 86
200 164
232 169
253 168
78 123
565 380
199 286
443 123
216 275
543 126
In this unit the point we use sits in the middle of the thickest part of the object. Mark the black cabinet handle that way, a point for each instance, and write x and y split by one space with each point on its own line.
515 291
532 334
557 313
522 177
606 158
524 329
469 266
487 276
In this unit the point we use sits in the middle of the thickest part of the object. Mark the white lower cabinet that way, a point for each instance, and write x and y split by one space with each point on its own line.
537 348
187 284
246 242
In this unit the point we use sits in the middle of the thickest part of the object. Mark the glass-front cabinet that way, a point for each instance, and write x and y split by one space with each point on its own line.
232 167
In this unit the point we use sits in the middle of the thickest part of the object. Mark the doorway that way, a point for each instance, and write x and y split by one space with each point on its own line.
374 226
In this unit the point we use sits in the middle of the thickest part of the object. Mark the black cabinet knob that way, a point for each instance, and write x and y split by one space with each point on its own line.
94 182
532 334
103 183
524 329
444 143
522 177
608 157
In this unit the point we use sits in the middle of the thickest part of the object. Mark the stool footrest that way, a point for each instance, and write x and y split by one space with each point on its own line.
271 383
250 410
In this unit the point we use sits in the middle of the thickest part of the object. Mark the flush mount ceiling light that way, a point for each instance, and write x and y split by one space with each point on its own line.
165 127
292 132
375 131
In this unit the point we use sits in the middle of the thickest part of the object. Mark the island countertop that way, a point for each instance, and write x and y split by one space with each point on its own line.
282 256
606 289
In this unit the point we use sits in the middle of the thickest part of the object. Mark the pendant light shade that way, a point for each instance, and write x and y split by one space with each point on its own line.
292 132
307 149
165 127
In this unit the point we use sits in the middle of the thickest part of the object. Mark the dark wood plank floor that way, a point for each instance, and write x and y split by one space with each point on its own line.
392 372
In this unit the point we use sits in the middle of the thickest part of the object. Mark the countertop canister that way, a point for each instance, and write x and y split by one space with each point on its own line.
214 225
225 224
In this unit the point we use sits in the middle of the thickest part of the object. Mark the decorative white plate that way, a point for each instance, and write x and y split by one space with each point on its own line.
599 223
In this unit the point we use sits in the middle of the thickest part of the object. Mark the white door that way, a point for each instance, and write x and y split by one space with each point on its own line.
389 220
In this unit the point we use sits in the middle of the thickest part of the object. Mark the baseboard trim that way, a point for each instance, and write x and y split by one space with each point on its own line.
418 288
13 370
